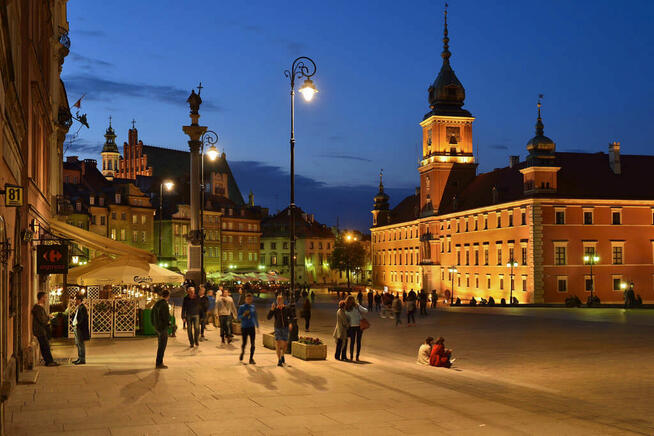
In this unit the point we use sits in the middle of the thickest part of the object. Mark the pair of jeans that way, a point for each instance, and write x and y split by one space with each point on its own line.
225 326
423 308
193 329
341 349
398 315
248 332
307 319
378 307
411 315
162 341
81 348
44 345
355 334
203 323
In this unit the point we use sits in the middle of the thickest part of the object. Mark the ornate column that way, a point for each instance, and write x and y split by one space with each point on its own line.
194 132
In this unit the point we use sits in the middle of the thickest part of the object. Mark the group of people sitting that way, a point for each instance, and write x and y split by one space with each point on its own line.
434 353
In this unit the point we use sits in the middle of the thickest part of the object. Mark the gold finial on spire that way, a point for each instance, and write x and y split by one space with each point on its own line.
446 47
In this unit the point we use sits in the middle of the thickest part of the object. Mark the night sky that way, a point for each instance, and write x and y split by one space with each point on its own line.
592 60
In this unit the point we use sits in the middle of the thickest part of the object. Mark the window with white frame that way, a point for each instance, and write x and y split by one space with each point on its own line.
588 216
616 283
562 283
616 216
560 252
559 215
617 252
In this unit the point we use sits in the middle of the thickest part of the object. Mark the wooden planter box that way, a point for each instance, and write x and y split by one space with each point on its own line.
269 340
309 352
236 327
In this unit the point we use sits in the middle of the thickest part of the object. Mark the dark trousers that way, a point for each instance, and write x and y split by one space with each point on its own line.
370 306
411 315
423 308
307 319
341 349
81 348
203 323
398 315
225 326
248 332
378 307
355 335
162 341
193 328
44 345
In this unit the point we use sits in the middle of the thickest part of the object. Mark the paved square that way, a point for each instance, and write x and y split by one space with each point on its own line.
543 372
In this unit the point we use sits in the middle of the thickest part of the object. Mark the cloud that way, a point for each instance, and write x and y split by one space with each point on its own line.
89 33
499 146
351 204
344 156
100 89
87 63
80 146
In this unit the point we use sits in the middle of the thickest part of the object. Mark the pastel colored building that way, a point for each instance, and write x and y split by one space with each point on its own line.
532 228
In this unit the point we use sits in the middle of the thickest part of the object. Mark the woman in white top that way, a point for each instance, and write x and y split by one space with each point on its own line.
354 312
424 352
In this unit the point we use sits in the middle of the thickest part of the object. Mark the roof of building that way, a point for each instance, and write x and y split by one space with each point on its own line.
406 210
305 225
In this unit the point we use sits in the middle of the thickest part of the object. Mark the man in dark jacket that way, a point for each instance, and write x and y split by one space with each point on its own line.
203 302
191 313
81 324
160 317
41 328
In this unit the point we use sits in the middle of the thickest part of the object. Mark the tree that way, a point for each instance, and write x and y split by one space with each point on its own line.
347 255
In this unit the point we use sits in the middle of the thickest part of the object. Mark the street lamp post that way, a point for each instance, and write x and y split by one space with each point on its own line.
169 185
210 138
302 67
591 259
348 238
512 264
452 271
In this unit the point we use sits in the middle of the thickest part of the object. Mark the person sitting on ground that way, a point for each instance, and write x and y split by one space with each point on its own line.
424 352
440 356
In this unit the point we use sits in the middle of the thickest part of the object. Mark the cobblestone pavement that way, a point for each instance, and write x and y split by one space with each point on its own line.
513 375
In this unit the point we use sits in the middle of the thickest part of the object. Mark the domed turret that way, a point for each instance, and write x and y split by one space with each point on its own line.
540 147
110 140
381 199
447 94
110 154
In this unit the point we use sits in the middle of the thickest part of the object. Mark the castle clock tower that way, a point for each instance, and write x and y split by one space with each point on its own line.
448 163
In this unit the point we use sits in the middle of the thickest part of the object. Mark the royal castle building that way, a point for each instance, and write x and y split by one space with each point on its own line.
545 228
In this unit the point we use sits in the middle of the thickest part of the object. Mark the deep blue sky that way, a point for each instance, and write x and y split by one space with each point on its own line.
592 60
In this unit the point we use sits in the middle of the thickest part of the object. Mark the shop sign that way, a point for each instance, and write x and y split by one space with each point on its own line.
52 259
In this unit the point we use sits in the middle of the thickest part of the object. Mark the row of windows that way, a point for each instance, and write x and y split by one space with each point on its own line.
615 283
561 253
239 255
402 277
229 225
395 234
589 216
240 239
312 246
407 256
475 282
485 255
476 223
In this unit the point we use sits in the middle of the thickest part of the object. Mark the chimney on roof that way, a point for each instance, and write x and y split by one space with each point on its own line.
614 157
514 161
495 195
71 159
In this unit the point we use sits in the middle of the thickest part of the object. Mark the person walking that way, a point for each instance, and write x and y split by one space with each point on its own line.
191 313
354 314
341 332
306 313
241 297
423 302
371 297
312 294
247 314
81 324
203 302
378 301
434 299
160 318
411 308
41 328
397 310
282 314
226 311
211 314
360 297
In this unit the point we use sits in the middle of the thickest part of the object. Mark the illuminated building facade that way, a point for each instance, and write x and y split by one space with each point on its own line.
529 228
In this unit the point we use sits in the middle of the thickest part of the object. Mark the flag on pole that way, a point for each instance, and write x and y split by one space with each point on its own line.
78 103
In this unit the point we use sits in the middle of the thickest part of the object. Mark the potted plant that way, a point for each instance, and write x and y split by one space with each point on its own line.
306 348
269 340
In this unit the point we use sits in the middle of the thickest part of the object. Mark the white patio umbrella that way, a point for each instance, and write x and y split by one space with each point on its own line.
128 271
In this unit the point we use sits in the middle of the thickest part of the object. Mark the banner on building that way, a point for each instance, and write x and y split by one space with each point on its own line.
52 259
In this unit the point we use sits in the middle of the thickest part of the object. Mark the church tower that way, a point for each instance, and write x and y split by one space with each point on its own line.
380 211
448 162
110 154
540 174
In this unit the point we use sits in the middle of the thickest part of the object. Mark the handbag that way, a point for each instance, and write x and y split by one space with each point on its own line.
363 323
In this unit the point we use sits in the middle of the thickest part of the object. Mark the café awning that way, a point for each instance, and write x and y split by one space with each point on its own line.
98 242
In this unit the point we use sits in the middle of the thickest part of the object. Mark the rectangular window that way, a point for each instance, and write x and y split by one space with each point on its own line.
143 219
486 256
617 283
523 219
123 216
135 219
477 281
284 245
485 222
458 257
113 215
113 234
499 220
559 255
511 253
467 257
524 283
524 255
102 220
510 219
467 280
476 256
499 256
488 281
562 284
560 216
616 217
135 236
589 283
285 260
143 236
617 254
273 245
123 237
501 282
588 217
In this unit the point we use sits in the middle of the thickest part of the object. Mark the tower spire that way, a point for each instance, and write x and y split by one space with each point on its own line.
540 128
381 183
446 47
109 120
